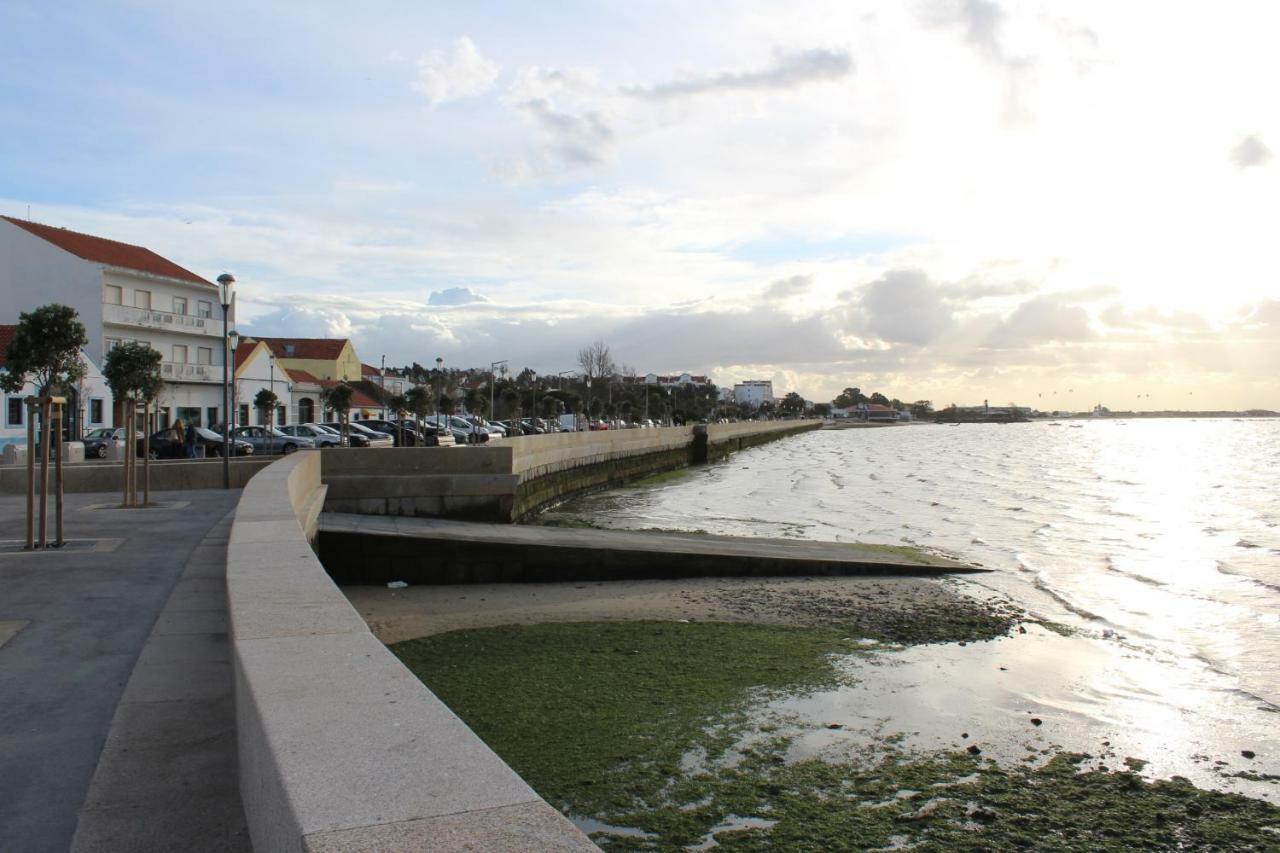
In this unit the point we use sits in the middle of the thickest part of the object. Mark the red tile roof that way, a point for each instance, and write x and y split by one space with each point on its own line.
302 376
321 349
242 351
361 400
6 335
369 370
100 250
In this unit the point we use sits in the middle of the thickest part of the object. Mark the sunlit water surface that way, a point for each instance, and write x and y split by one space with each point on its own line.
1157 541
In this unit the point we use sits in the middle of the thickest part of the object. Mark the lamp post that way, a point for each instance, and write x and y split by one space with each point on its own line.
493 382
439 393
226 292
382 382
560 387
271 414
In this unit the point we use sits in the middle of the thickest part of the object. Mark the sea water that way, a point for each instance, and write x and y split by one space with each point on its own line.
1157 542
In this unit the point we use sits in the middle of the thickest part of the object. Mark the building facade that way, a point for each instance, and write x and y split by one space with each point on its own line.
753 392
88 406
123 293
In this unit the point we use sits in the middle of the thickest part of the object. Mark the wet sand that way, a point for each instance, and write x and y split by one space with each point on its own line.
419 611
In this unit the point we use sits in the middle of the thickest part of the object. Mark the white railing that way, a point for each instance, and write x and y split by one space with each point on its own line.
174 371
127 315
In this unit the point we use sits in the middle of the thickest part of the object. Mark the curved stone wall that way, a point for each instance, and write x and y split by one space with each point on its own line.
341 747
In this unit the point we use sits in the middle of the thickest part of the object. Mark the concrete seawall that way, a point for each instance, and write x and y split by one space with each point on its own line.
341 747
512 479
166 476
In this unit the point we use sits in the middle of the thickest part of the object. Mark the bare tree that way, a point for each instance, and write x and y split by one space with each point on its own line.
596 363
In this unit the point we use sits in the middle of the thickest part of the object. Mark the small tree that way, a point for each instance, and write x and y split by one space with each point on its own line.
422 402
45 349
265 401
132 371
792 404
338 398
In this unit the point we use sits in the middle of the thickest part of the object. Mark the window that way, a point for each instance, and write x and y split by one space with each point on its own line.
282 416
95 410
16 412
180 305
108 344
179 354
142 299
244 414
112 295
212 414
204 309
204 355
162 418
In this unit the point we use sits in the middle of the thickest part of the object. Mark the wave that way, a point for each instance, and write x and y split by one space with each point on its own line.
1226 569
1109 562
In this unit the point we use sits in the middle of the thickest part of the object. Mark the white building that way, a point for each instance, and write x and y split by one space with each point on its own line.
88 407
257 370
753 392
122 293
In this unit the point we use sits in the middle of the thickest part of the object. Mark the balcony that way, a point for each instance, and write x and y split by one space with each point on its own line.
173 371
146 318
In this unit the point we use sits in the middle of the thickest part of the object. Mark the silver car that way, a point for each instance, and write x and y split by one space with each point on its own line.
322 436
270 440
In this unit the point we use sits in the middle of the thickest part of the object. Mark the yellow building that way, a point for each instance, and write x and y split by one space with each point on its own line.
324 358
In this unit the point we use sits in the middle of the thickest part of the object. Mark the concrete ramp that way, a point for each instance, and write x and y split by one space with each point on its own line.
363 549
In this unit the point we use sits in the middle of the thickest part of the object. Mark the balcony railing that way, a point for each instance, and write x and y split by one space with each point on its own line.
127 315
173 371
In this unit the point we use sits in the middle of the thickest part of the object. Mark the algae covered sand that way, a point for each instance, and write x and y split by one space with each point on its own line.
649 734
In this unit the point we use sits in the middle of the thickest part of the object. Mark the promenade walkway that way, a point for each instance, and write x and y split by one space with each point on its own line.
117 728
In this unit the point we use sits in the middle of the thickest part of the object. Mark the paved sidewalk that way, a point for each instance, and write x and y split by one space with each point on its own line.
76 622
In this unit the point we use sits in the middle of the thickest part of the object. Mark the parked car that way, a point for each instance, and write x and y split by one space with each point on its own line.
321 436
402 437
97 440
361 436
271 440
495 430
429 434
167 444
459 430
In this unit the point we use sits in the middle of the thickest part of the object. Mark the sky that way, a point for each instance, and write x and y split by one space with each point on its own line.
1050 204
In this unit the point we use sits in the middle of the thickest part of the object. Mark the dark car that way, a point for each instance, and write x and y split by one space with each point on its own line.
361 436
406 433
167 444
97 440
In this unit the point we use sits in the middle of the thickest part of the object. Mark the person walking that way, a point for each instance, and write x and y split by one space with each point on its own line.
189 440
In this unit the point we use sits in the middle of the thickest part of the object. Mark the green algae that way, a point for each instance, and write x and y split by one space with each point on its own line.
650 726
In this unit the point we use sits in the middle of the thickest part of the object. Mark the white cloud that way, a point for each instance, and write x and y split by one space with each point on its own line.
455 296
460 73
1251 151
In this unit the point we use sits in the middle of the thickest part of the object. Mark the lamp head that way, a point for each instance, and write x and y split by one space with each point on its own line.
226 285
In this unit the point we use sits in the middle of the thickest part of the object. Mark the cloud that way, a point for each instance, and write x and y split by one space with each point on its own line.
1118 317
455 296
1042 320
785 288
581 140
1250 152
461 73
903 306
787 71
979 19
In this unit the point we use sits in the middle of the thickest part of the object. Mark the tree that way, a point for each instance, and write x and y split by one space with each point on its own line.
446 406
45 348
338 399
596 362
265 401
921 409
822 409
849 397
792 404
879 399
132 371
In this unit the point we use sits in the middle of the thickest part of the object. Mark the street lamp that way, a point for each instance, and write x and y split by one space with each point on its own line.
493 381
382 381
226 292
271 414
560 386
439 393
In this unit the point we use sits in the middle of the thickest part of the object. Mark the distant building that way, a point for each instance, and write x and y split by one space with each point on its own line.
323 358
667 380
753 392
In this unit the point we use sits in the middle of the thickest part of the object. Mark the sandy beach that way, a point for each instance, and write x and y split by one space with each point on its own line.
403 614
